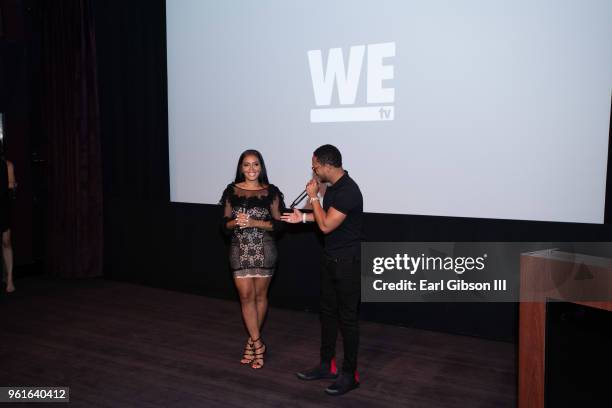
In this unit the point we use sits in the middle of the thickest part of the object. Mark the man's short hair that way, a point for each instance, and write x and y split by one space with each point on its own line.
328 154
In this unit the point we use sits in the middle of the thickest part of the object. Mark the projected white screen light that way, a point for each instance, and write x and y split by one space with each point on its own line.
487 109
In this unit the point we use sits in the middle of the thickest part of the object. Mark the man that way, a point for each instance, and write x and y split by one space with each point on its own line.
340 219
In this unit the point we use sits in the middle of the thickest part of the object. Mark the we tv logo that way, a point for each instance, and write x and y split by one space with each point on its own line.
347 78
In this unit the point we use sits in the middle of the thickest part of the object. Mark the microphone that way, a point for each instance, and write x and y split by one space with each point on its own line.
299 199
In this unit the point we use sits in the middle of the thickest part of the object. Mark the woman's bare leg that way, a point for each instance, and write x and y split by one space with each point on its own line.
261 298
7 255
246 291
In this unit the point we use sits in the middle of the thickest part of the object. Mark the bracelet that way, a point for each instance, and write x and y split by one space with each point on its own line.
313 199
303 218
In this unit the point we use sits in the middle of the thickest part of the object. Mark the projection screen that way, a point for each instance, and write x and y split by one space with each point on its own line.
468 108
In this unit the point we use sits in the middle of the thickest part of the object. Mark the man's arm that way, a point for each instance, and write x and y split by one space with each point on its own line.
327 221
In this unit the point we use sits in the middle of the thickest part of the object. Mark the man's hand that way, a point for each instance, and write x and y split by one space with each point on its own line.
292 218
312 188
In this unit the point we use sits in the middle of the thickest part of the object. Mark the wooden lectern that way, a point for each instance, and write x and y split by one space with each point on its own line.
553 275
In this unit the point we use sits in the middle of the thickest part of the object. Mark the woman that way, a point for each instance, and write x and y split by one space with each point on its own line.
7 183
252 211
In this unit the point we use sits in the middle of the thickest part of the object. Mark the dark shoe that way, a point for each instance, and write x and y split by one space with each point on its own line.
343 384
259 353
249 354
321 372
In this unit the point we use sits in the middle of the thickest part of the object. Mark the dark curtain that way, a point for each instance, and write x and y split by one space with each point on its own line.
70 121
131 50
140 229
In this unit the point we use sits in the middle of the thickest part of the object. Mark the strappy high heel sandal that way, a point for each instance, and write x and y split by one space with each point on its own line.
249 353
258 356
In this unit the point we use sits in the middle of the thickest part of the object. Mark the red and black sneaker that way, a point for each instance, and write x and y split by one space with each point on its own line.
321 372
345 383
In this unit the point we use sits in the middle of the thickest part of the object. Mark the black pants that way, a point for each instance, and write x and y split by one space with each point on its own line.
340 298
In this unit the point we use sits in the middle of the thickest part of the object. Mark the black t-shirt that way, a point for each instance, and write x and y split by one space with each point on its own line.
345 241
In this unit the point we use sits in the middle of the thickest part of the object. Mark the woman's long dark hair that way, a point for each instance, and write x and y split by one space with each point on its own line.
263 174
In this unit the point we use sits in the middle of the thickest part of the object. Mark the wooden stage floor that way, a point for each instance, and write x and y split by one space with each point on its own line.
123 345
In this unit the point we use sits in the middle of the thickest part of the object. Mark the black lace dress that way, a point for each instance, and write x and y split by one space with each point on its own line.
253 250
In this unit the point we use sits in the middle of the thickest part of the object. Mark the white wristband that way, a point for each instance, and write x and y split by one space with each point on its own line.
313 199
304 218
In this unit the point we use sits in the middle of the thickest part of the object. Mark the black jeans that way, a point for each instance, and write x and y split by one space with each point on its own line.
339 306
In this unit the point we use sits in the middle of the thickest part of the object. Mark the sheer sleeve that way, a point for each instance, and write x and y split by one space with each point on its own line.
277 207
227 209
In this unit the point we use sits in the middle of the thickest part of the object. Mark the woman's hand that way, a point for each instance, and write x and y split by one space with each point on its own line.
292 218
243 220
